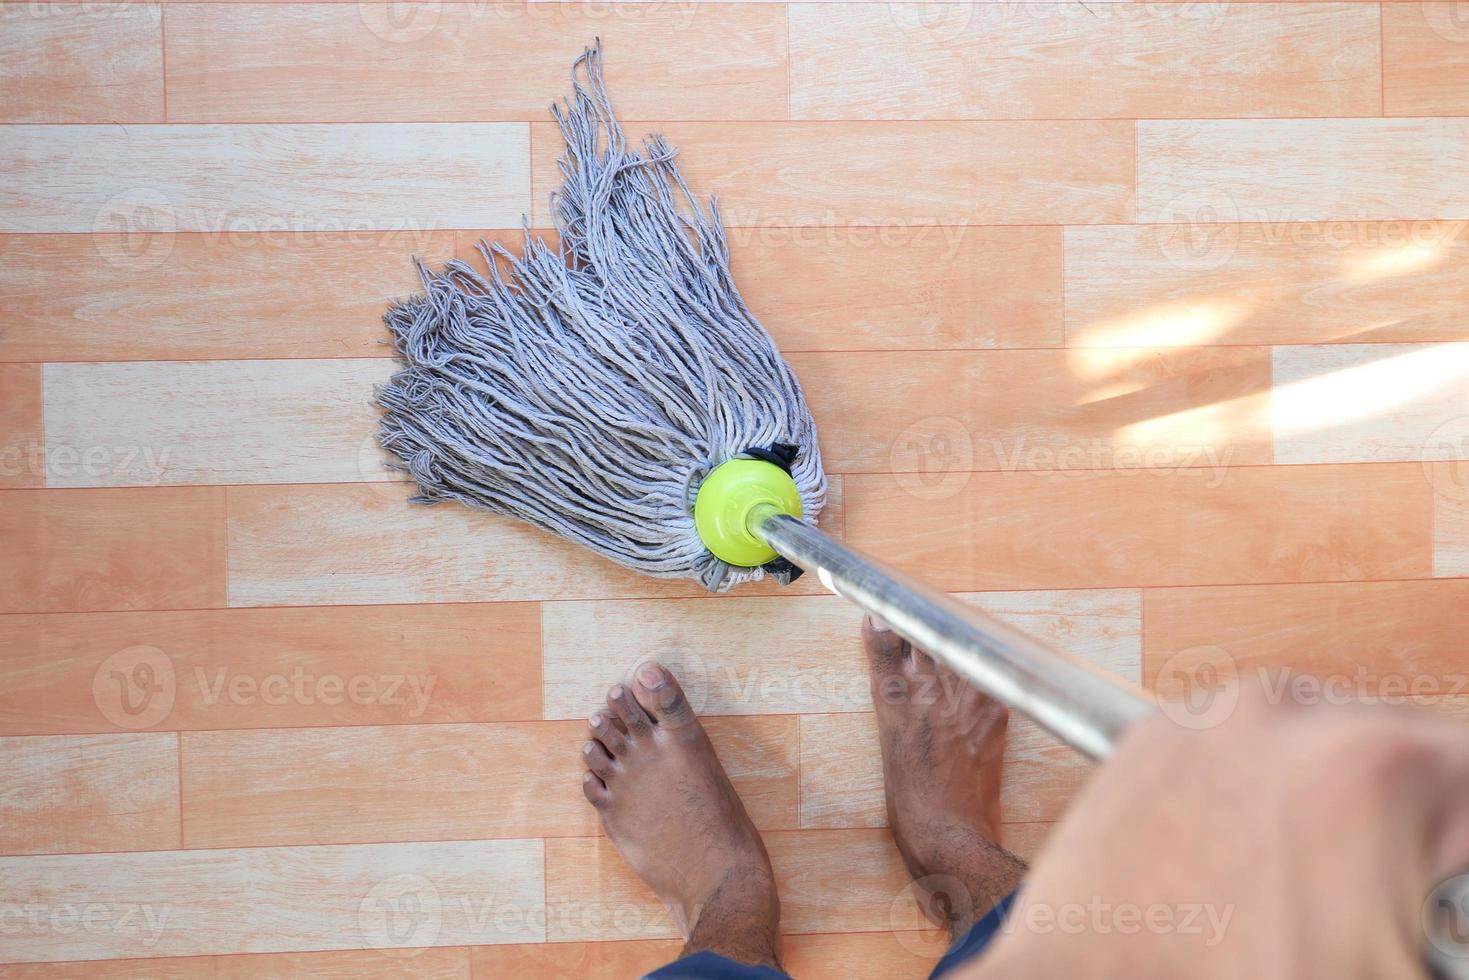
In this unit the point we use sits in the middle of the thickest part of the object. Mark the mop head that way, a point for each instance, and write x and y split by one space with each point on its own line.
590 388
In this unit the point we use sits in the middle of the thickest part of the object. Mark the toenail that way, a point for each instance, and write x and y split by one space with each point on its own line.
586 748
595 721
615 693
651 676
879 625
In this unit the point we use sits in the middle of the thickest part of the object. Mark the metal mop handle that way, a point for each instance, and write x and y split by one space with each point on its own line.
1084 706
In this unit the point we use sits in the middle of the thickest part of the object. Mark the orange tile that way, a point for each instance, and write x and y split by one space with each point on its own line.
842 783
820 174
720 651
270 668
829 881
1289 283
1450 481
996 61
1425 68
291 420
575 961
1127 528
883 955
938 414
1300 169
503 61
904 287
143 296
272 178
22 437
98 63
451 963
436 782
364 543
75 550
1391 639
77 793
278 899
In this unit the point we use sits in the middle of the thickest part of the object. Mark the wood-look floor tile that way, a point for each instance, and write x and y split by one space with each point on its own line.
22 436
503 61
1197 282
176 297
77 550
1388 639
269 668
902 287
278 421
76 793
279 899
1243 524
755 654
775 174
1425 50
936 414
829 881
436 782
274 178
1301 169
1371 403
1450 481
1040 60
443 963
74 63
364 543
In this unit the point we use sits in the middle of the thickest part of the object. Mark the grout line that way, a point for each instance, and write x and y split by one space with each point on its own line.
1073 472
700 597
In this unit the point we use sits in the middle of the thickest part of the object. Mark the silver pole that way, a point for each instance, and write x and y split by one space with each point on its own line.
1083 705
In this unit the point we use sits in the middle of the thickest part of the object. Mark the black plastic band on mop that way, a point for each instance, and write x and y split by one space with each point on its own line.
781 454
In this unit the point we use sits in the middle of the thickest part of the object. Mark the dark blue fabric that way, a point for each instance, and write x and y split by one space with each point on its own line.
705 965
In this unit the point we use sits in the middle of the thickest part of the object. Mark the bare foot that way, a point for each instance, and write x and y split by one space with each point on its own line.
668 805
943 747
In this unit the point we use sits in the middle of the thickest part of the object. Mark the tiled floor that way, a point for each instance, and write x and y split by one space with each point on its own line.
1143 326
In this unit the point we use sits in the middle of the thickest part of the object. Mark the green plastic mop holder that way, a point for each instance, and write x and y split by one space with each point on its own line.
726 500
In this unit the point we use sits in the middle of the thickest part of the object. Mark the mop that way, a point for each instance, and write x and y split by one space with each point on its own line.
614 389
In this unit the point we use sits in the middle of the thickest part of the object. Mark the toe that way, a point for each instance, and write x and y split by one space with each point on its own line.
628 711
594 789
885 648
661 697
597 759
608 734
